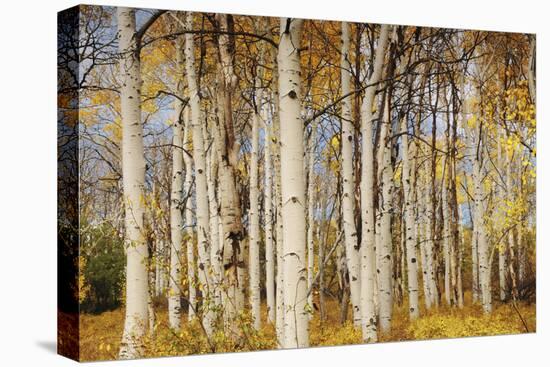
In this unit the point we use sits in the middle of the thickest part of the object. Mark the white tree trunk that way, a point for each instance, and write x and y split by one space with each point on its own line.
482 244
176 207
422 219
268 203
201 189
233 251
429 236
133 177
348 182
460 250
368 253
254 249
475 265
188 212
499 193
310 213
321 265
511 241
384 248
280 314
408 180
296 333
446 222
483 256
214 221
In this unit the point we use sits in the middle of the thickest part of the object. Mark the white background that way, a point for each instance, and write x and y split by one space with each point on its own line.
28 181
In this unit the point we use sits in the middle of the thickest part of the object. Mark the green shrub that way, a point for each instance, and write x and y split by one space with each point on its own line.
103 252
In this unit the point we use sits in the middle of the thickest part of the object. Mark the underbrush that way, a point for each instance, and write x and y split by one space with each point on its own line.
100 334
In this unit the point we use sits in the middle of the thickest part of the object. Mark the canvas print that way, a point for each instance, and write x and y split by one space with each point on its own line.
237 183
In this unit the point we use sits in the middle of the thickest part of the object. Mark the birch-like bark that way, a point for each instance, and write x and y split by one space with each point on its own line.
482 244
254 249
433 207
478 171
502 247
384 248
510 237
176 205
230 207
214 220
446 216
188 212
280 314
408 180
296 333
421 235
348 184
368 253
484 270
460 250
446 243
474 240
268 204
201 189
133 177
475 263
310 213
429 242
321 281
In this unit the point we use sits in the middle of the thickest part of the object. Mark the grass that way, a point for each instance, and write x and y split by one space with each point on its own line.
100 334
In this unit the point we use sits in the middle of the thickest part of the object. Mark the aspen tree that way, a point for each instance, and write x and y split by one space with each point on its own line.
445 203
408 180
176 201
421 235
292 186
502 248
214 220
348 184
384 248
230 207
368 254
510 237
474 239
188 212
311 212
482 244
321 283
482 247
201 189
460 250
430 238
280 314
133 177
254 247
268 203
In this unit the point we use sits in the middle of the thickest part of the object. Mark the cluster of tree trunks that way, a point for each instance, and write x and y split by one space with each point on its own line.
385 180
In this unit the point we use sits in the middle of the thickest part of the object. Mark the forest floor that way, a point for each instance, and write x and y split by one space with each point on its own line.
100 334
